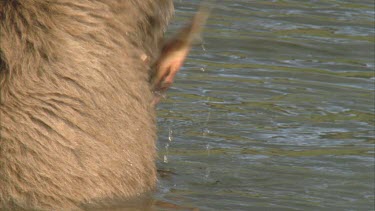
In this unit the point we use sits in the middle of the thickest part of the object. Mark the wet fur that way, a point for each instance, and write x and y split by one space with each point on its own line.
77 122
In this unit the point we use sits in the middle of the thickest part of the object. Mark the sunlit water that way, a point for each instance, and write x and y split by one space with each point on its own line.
275 111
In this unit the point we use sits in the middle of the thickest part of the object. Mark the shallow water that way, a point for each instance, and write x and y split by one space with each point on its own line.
275 110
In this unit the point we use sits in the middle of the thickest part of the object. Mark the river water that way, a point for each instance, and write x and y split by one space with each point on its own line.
274 110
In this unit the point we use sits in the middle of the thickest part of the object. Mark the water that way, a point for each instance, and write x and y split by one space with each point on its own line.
275 111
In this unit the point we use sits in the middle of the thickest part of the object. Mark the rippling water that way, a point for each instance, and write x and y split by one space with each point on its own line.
275 110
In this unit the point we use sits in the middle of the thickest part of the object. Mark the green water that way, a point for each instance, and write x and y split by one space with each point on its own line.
275 111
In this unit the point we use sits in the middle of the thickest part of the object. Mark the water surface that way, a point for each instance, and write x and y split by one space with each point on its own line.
275 110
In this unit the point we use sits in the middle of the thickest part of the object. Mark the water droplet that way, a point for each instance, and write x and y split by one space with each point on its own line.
206 131
165 160
208 148
170 135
